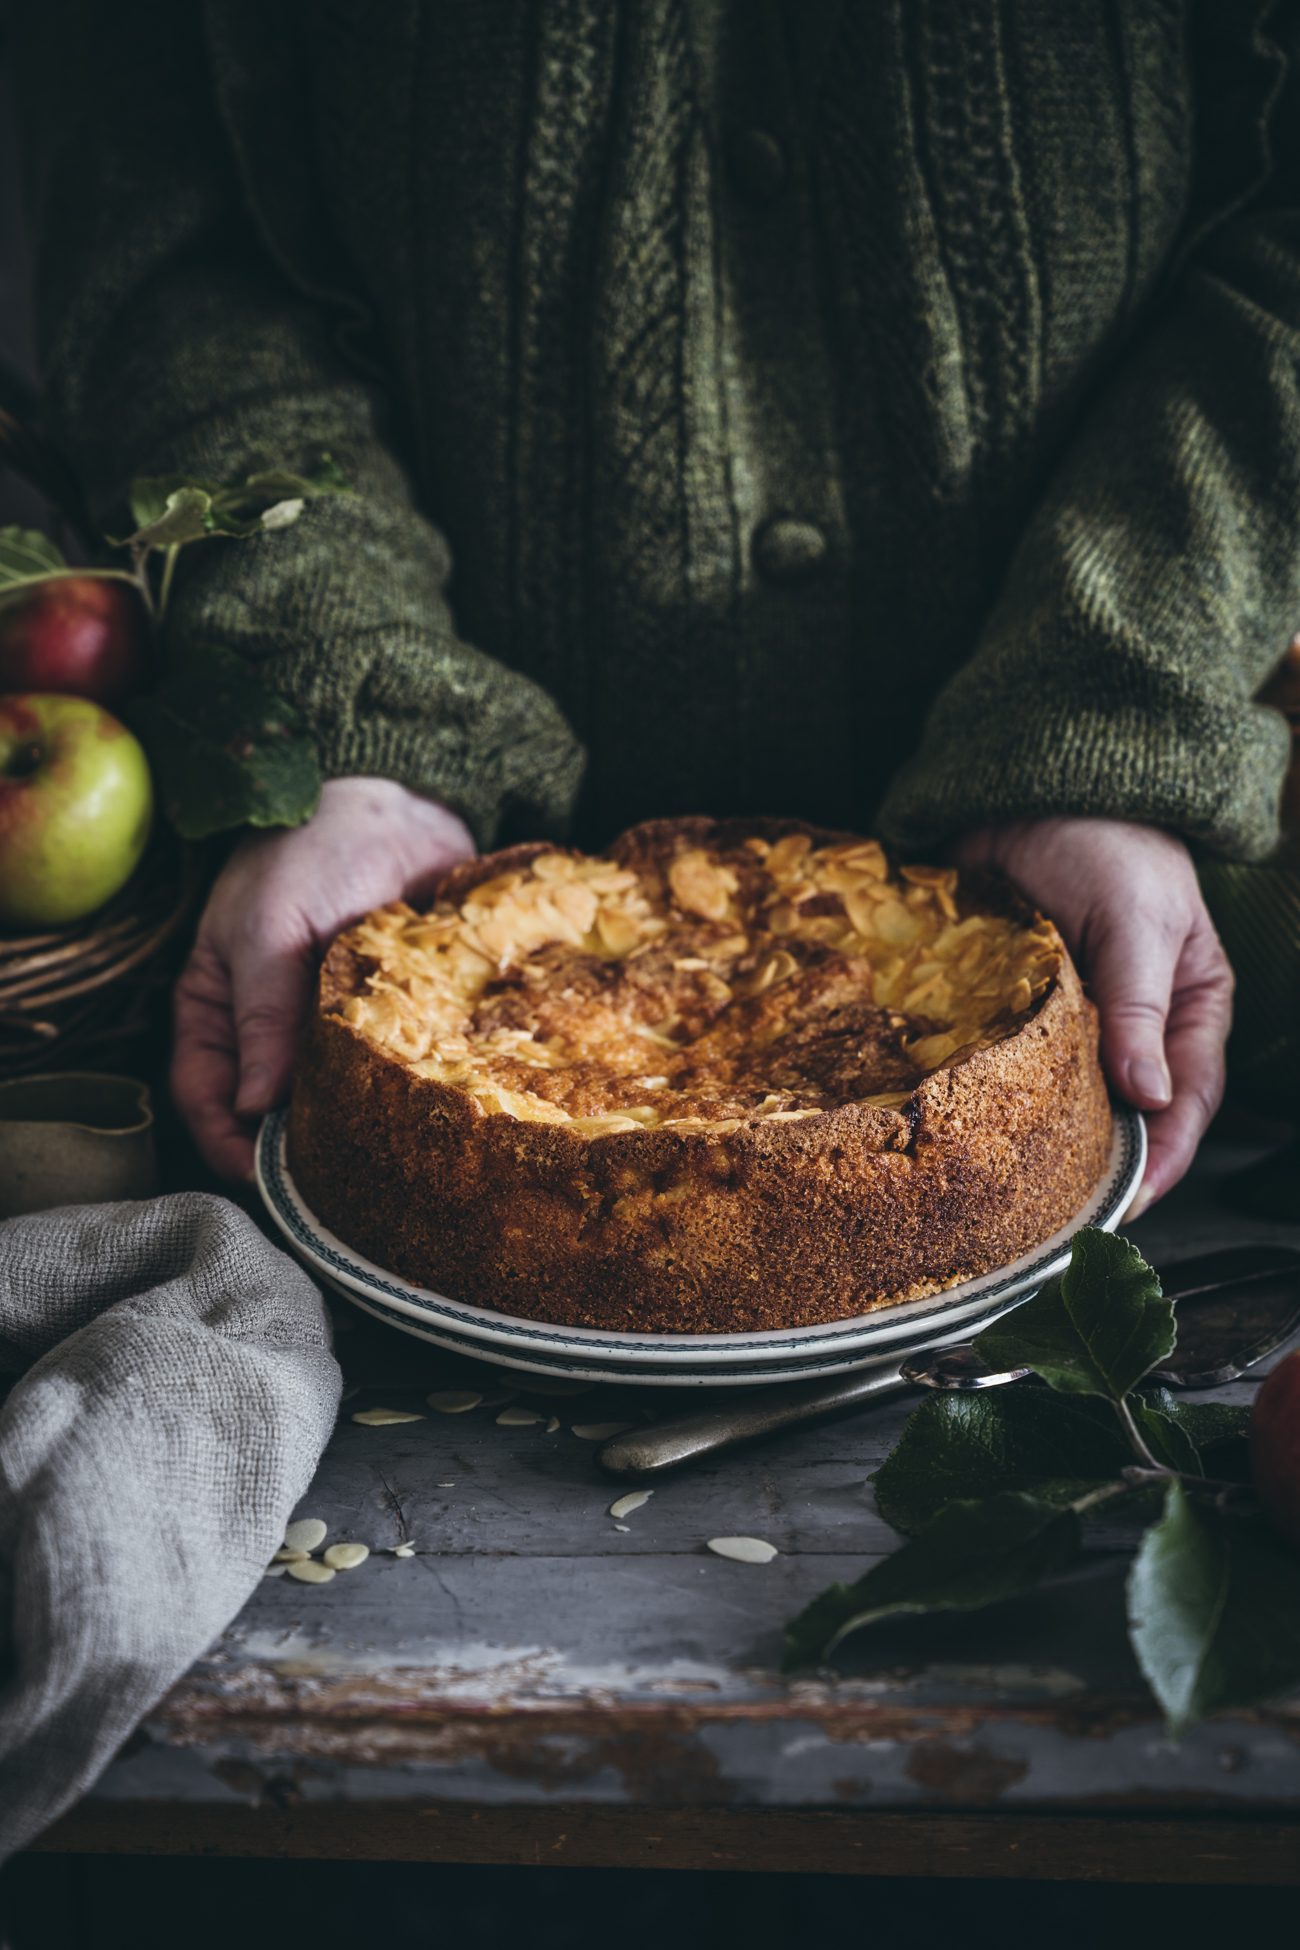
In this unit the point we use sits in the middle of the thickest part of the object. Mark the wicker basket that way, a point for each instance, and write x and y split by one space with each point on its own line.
85 989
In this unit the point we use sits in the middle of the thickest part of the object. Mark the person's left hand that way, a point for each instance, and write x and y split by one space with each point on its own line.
1127 900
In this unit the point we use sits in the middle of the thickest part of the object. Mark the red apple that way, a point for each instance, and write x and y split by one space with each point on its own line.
76 804
1275 1445
85 635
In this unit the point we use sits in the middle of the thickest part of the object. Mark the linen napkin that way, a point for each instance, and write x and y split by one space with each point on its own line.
181 1392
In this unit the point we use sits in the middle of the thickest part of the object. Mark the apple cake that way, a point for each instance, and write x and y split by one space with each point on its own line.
730 1075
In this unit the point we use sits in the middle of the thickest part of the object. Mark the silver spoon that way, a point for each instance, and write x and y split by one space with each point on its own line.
1235 1307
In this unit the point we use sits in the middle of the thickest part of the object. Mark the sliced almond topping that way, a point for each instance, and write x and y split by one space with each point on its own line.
699 886
305 1534
788 854
743 1550
518 1418
554 866
600 1431
384 1418
454 1401
310 1572
345 1557
634 1500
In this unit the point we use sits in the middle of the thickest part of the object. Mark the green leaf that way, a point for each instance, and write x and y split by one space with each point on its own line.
226 751
962 1446
176 514
1166 1437
26 556
972 1555
1214 1610
173 509
1207 1423
1094 1330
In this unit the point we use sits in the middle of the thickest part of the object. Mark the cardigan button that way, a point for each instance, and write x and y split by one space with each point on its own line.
759 170
787 549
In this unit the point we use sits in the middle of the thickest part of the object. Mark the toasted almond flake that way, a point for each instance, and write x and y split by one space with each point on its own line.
305 1534
624 1527
346 1557
455 1401
403 1550
744 1550
600 1431
552 1425
383 1418
274 1571
445 1486
290 1554
625 1505
310 1572
518 1418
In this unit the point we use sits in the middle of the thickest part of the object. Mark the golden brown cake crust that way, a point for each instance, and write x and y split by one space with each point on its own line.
753 1209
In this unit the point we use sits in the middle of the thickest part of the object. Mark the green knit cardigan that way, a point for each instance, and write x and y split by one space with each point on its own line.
875 412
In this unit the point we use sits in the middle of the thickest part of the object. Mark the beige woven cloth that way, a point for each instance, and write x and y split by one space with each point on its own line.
180 1392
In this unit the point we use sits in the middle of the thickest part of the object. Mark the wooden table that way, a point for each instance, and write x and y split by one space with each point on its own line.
535 1685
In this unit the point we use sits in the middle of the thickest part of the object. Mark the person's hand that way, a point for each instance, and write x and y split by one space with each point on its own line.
1127 900
274 907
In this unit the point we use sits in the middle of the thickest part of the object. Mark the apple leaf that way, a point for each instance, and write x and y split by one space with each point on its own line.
226 750
27 556
972 1555
1094 1330
958 1446
1213 1610
171 510
963 1446
183 515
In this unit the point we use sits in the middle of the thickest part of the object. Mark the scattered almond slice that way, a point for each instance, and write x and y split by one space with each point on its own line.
290 1554
403 1550
383 1418
455 1401
346 1557
274 1571
600 1431
552 1425
625 1505
518 1418
305 1534
743 1550
624 1527
310 1572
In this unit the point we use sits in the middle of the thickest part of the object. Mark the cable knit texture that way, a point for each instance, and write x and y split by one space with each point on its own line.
868 412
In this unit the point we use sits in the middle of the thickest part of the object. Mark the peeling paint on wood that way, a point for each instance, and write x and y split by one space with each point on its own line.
528 1654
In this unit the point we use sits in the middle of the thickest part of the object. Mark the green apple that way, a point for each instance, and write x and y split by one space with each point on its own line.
76 805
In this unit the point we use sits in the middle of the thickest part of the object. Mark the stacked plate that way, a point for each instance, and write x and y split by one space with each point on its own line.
682 1360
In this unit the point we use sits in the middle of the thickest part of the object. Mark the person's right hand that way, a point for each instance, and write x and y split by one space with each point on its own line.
275 906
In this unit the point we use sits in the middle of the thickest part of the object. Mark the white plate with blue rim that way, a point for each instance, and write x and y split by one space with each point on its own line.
676 1360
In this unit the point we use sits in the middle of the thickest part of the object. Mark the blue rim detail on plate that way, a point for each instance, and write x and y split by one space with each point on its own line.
886 1329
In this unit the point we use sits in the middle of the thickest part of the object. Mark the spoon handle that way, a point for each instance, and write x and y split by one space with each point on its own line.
744 1418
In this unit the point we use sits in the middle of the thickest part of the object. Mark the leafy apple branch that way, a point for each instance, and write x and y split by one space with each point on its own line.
226 750
992 1490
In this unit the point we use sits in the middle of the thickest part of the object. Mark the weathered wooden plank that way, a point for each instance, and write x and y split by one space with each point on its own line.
1126 1848
531 1651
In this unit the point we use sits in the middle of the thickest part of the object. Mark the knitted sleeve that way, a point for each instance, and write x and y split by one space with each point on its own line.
1156 585
173 343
